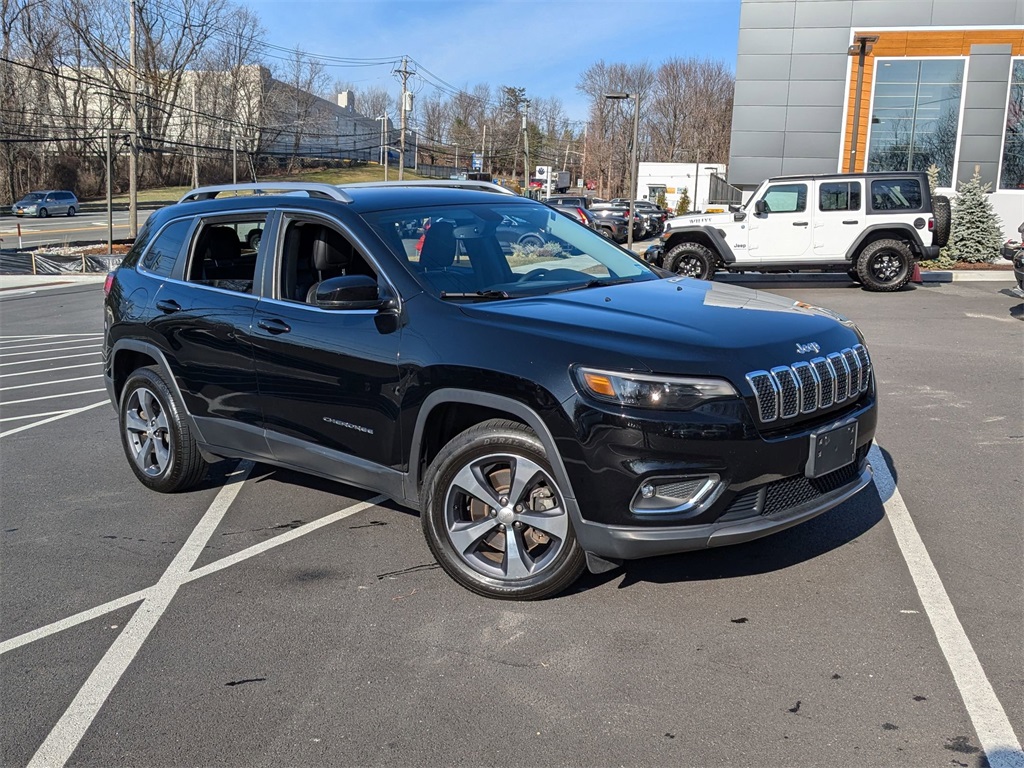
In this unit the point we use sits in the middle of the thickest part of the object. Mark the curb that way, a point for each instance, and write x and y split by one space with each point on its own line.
927 277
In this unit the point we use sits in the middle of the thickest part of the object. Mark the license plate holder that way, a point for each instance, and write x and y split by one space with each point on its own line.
831 449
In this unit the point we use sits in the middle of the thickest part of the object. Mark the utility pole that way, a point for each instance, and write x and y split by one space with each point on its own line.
133 150
110 192
234 158
406 106
483 148
195 136
526 159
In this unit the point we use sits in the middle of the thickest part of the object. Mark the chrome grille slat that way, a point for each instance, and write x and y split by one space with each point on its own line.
808 386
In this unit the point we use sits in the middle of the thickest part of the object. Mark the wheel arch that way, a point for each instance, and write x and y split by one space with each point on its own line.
129 355
904 232
709 237
455 410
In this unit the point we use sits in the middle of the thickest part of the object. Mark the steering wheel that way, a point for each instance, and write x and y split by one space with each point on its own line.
534 274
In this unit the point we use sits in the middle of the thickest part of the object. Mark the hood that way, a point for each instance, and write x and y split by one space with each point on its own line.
678 325
698 220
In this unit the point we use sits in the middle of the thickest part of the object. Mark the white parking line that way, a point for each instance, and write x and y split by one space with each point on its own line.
1000 743
35 336
69 730
218 565
48 359
48 351
48 370
51 397
6 347
47 383
64 415
33 416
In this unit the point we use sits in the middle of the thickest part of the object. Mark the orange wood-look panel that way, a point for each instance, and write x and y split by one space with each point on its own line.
917 45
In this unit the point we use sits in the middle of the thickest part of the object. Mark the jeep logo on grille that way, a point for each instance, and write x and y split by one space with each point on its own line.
811 346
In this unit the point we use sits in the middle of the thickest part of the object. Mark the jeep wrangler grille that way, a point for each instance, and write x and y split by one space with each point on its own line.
806 387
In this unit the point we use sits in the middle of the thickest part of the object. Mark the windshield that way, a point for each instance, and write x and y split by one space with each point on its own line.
32 197
502 250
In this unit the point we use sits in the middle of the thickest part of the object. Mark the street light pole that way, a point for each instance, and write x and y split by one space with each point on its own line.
633 158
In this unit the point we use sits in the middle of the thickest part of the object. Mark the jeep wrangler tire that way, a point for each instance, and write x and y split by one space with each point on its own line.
691 260
156 435
941 215
885 265
494 515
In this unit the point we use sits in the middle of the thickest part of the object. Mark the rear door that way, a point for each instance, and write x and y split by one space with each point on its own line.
839 217
204 314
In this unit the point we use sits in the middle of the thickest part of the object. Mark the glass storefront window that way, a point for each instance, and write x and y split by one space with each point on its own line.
915 115
1012 175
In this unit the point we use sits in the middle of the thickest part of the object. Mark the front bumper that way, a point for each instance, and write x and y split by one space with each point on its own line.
630 543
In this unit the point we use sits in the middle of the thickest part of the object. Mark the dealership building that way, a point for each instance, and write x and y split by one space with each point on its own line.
879 85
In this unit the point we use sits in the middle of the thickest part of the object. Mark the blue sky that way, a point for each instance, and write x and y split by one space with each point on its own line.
541 45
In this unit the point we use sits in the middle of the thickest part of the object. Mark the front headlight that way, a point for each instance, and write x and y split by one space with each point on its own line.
667 393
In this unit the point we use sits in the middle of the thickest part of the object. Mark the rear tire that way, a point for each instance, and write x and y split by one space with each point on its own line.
494 515
71 210
943 219
885 265
156 436
691 260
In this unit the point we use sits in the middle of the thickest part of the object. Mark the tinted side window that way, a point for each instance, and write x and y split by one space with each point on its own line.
224 254
896 195
839 196
159 259
314 252
786 198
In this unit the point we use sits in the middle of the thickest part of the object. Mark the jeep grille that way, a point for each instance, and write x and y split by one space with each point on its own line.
805 387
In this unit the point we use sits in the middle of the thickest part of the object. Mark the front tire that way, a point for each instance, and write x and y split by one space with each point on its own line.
43 213
156 436
885 265
691 260
496 519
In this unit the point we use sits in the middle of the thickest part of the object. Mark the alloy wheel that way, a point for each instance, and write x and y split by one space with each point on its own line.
147 432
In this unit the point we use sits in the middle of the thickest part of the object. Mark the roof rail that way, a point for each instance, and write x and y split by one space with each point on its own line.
484 186
313 189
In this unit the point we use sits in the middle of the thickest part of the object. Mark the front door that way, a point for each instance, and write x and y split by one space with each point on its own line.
327 377
782 232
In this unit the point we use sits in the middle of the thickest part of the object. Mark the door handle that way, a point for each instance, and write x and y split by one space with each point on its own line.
851 221
273 325
168 305
799 223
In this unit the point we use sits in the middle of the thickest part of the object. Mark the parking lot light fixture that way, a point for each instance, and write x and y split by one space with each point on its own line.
633 156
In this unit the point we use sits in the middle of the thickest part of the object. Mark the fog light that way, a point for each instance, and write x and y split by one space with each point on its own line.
674 495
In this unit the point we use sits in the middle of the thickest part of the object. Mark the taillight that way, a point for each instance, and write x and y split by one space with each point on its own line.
931 224
108 283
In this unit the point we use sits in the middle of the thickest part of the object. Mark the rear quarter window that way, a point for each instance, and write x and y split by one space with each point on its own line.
896 195
160 257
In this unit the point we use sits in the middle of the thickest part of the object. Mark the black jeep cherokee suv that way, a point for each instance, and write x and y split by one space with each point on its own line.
543 405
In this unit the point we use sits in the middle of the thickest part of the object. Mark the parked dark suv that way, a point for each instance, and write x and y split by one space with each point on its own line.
544 406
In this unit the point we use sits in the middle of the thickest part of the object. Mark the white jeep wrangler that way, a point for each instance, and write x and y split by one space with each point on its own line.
873 226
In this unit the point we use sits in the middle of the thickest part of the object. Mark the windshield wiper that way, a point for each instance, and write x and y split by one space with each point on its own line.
487 295
596 283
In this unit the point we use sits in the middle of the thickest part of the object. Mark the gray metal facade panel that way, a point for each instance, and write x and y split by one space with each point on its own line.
765 93
979 149
794 165
825 40
983 122
813 119
814 93
758 143
955 13
763 67
819 66
824 13
999 49
759 119
989 171
768 15
889 13
987 94
989 68
751 171
758 41
824 145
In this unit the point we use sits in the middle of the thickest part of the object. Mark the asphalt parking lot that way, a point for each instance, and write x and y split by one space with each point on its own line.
273 619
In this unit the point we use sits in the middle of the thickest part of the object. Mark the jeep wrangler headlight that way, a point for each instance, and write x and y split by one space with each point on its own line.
669 393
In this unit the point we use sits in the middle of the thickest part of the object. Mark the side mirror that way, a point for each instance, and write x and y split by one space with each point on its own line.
760 207
349 292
